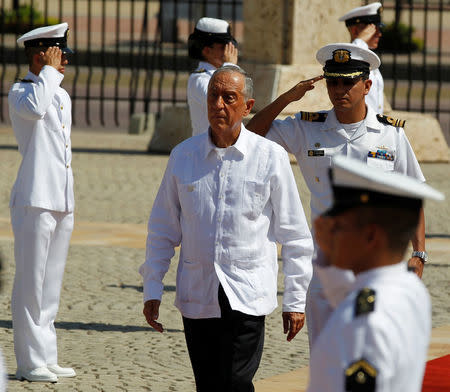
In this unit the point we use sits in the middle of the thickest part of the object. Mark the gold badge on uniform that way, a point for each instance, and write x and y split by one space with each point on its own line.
341 56
316 153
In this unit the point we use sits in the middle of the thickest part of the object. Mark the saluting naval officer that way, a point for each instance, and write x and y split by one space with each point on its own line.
351 128
42 201
213 45
364 25
377 337
227 197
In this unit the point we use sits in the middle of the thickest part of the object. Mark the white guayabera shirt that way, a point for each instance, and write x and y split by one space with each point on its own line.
227 208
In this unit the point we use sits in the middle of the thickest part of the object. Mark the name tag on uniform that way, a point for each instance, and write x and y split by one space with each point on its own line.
316 153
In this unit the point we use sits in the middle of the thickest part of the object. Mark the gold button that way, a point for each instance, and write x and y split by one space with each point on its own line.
67 166
317 145
317 179
63 126
62 107
67 145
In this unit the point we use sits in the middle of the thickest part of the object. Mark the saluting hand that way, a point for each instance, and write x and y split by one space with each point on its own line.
151 313
300 89
52 57
292 322
230 54
367 33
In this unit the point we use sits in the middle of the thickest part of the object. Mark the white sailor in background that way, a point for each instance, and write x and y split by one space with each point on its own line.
377 337
212 44
42 201
364 25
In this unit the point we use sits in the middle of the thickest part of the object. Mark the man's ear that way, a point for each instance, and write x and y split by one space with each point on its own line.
367 86
249 105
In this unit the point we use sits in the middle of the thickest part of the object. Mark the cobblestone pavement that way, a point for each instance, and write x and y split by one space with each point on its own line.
101 330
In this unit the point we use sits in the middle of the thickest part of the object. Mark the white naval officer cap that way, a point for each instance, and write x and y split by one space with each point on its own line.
367 14
344 60
208 31
55 35
355 184
212 25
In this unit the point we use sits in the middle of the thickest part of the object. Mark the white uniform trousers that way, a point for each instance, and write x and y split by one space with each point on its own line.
41 243
318 306
318 309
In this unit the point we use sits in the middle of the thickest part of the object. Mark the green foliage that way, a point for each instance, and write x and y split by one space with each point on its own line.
24 19
399 38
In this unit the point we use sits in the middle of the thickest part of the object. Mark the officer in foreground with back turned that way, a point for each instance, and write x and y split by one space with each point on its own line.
364 25
213 45
377 337
42 201
351 128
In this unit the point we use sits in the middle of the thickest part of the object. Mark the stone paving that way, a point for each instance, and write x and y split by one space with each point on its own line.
101 330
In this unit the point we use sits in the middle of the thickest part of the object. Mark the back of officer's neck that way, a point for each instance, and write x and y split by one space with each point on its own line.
352 116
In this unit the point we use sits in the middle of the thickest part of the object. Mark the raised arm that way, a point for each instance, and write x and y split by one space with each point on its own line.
261 121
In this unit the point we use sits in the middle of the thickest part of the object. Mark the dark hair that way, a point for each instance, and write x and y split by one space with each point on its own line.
31 51
400 224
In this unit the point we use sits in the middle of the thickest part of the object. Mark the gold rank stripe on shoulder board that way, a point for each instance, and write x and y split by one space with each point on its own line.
201 70
391 121
313 116
360 376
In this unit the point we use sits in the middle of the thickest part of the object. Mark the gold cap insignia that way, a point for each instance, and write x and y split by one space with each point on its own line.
341 56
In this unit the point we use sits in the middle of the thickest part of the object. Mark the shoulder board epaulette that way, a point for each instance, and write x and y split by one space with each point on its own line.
313 116
365 302
201 70
24 80
360 376
391 121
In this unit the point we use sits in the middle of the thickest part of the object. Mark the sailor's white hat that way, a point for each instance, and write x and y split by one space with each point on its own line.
344 60
55 35
368 14
355 183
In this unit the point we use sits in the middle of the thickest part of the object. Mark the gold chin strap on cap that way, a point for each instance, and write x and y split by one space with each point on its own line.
342 75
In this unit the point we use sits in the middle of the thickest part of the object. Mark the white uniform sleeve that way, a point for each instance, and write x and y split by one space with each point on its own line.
292 232
34 104
288 133
406 162
197 100
164 234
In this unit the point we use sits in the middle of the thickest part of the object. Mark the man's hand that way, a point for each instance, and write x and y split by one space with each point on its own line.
367 33
299 90
292 322
417 265
230 54
151 313
52 57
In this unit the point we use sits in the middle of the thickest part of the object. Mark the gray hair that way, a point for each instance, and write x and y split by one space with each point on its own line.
248 82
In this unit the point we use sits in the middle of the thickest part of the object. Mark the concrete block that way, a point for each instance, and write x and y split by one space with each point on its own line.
172 128
141 122
425 135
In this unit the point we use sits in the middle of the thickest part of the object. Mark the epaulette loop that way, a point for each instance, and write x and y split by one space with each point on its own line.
391 121
365 302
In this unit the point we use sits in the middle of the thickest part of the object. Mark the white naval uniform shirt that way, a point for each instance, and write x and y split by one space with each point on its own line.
375 98
197 90
393 338
314 143
227 207
41 118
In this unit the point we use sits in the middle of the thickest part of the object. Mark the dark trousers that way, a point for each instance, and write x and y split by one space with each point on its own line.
225 352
